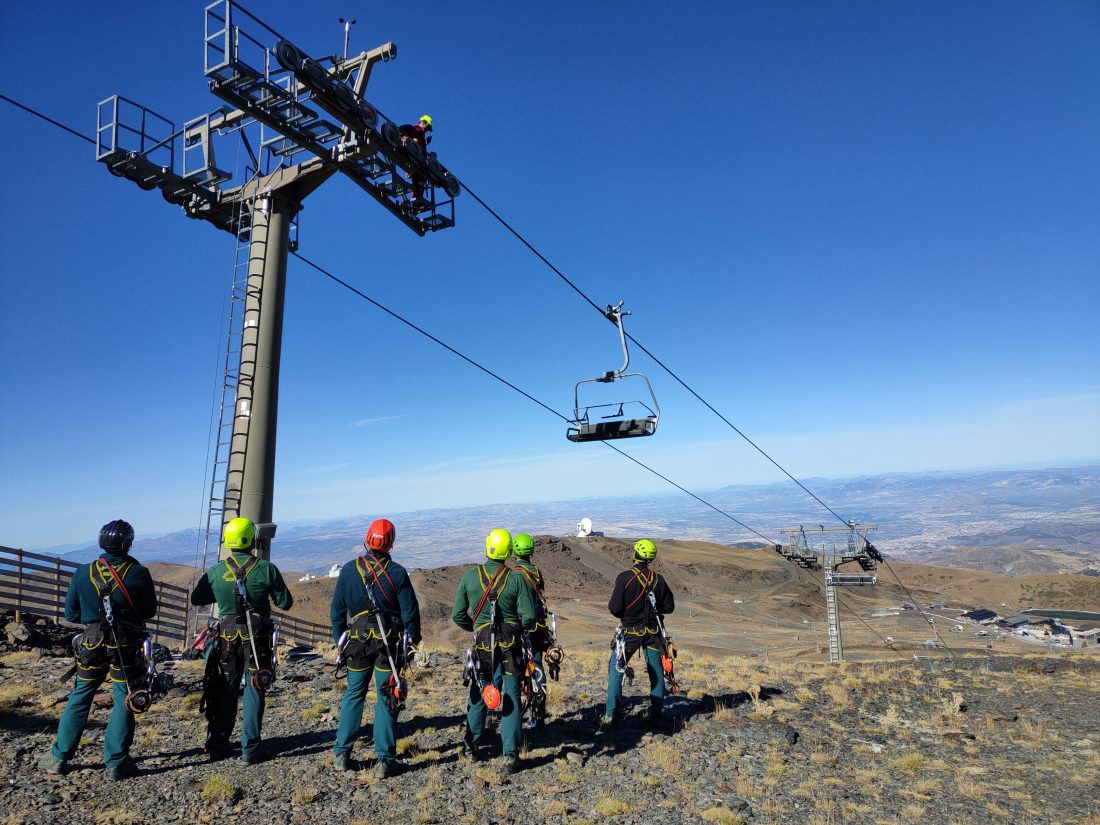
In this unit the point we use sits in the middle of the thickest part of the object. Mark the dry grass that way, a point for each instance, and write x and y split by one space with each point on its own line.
609 806
303 796
891 720
666 756
218 789
910 763
722 816
16 658
969 788
804 695
912 813
839 696
13 694
315 711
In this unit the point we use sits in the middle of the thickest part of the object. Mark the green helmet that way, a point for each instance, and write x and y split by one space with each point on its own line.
239 534
645 550
498 545
522 545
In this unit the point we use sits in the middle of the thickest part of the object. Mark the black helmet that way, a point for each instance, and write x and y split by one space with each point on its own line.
116 536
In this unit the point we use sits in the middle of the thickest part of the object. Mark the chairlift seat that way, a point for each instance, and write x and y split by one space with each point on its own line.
609 430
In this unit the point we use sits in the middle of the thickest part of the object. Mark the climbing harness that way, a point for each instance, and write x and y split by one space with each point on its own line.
533 688
395 688
147 684
341 659
553 655
668 649
616 424
618 644
490 693
262 678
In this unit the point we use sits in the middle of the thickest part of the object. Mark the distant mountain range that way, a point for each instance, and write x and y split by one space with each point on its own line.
937 516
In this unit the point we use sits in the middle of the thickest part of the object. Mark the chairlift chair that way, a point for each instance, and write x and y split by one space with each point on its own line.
586 426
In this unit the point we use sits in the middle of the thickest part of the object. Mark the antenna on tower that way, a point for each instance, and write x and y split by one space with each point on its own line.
347 30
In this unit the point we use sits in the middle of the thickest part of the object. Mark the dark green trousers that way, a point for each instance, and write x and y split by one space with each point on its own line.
119 735
351 714
653 670
510 716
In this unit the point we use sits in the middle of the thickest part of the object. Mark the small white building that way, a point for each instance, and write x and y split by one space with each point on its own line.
308 577
334 571
1087 638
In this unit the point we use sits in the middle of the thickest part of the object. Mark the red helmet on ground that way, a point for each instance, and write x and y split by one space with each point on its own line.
380 536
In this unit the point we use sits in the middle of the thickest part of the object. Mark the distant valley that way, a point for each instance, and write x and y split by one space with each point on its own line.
1025 521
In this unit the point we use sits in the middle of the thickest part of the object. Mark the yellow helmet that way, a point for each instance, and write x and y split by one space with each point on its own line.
498 545
239 534
426 120
645 549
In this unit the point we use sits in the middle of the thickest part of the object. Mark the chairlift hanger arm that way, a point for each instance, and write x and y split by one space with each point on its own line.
615 315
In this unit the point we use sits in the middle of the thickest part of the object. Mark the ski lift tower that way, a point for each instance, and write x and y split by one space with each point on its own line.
858 549
300 121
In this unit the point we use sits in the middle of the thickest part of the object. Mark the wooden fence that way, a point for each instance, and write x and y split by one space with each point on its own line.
37 584
301 632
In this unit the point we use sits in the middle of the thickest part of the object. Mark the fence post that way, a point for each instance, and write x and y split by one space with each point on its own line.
57 594
18 582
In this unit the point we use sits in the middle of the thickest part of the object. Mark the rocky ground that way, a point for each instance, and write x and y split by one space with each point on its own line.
970 740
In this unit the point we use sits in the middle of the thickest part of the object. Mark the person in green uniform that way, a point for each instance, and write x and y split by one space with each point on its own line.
373 590
105 648
630 603
244 643
523 546
497 605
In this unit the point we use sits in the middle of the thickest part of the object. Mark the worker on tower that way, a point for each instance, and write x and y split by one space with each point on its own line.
243 585
640 601
417 135
385 625
540 637
112 597
497 606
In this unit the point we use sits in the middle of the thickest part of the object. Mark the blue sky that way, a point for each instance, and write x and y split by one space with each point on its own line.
866 232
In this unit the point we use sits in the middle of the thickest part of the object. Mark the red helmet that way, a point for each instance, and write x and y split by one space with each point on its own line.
380 536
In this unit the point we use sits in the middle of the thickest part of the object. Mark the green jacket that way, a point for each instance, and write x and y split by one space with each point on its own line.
513 596
91 582
264 584
536 574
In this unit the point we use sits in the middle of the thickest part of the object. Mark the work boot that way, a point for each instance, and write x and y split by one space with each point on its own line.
472 752
387 768
344 762
216 749
123 770
605 722
656 716
54 766
255 757
508 765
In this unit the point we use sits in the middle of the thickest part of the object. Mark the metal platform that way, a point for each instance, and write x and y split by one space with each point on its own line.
272 84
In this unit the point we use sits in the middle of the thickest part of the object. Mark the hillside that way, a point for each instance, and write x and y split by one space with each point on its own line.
742 600
752 740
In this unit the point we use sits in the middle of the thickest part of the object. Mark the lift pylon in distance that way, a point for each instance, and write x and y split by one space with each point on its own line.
589 424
